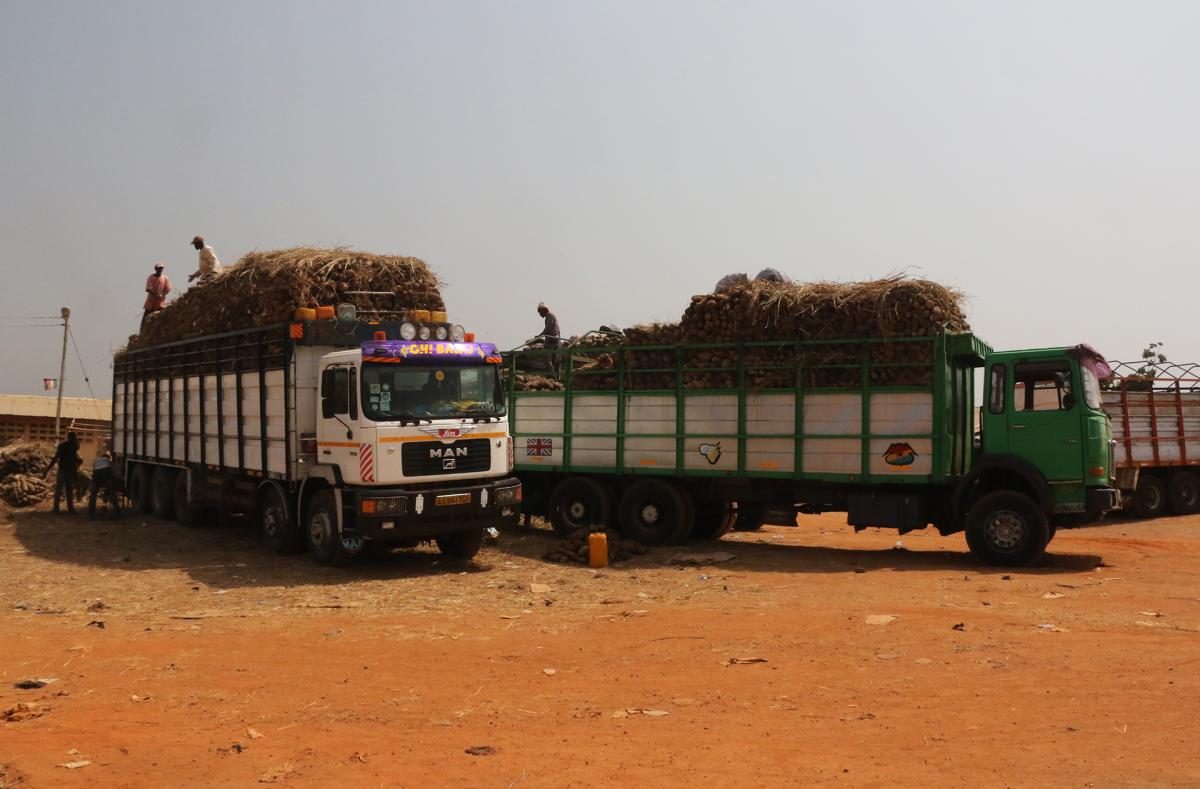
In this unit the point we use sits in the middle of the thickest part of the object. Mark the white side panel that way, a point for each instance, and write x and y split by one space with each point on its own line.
597 451
649 414
594 414
770 454
541 414
771 413
716 414
540 420
832 455
650 452
895 413
832 414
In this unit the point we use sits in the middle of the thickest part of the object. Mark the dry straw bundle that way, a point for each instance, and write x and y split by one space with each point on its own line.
266 287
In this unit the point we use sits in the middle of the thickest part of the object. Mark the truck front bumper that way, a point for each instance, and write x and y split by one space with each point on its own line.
1098 501
418 513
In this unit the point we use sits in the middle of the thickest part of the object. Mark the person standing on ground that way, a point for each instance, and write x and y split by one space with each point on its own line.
209 265
157 288
66 457
102 477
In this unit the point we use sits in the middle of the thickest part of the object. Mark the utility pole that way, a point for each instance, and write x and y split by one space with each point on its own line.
62 372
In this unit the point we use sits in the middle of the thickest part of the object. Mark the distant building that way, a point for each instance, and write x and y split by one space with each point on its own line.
31 418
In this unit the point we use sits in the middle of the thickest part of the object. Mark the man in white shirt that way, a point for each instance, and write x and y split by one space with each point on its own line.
209 265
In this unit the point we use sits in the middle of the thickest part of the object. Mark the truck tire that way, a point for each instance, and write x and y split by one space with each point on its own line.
139 490
461 545
162 493
1183 493
1007 528
1150 498
713 520
277 522
325 543
187 513
750 517
655 512
579 503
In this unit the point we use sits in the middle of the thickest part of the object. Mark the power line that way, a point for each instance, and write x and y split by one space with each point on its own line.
31 325
81 367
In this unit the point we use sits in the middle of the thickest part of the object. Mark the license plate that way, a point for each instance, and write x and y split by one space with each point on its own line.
453 498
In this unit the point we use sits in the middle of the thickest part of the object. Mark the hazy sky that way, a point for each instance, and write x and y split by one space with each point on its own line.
610 158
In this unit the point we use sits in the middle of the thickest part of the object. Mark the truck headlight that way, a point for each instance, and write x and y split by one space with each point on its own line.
457 332
441 333
408 331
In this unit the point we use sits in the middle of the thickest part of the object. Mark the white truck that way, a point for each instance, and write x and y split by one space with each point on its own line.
335 434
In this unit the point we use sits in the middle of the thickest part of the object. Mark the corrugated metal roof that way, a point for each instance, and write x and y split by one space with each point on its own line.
72 407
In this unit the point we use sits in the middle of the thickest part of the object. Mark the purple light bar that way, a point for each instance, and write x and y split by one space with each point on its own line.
431 350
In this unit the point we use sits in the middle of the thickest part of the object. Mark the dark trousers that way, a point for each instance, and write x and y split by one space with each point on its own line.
146 313
105 480
65 481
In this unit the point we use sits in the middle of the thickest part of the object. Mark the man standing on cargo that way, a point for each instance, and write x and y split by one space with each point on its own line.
550 336
157 288
66 457
209 265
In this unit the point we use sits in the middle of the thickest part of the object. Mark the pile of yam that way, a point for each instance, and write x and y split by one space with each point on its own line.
21 467
25 490
791 334
575 548
265 288
537 383
25 457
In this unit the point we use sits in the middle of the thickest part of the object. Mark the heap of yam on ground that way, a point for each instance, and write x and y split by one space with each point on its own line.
266 288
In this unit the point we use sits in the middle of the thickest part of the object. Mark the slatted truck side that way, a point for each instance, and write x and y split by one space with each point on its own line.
338 435
848 434
1155 415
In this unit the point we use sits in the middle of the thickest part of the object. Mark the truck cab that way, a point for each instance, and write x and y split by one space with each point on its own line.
413 437
1044 453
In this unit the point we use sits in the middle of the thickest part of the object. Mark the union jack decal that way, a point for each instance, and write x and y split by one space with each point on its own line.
539 447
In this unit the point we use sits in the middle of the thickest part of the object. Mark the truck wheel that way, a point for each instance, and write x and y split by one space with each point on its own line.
1183 493
162 493
655 512
277 524
1150 498
321 529
578 503
139 490
187 513
1007 528
461 545
713 520
750 517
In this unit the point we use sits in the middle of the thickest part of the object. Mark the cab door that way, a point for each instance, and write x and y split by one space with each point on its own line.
1043 414
340 440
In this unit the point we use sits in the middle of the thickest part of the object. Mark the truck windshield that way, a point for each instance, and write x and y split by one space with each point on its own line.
391 392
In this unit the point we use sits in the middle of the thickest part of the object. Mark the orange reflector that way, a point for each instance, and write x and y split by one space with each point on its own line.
326 313
1096 471
368 506
297 331
469 337
494 360
380 335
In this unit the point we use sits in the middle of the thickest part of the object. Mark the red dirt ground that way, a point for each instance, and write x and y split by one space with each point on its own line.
1079 671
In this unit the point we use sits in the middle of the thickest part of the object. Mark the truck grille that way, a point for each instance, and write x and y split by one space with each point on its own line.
429 458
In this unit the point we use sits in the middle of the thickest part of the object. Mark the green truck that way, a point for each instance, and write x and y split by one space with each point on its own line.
886 430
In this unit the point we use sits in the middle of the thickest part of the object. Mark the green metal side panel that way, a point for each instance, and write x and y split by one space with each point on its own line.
951 387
